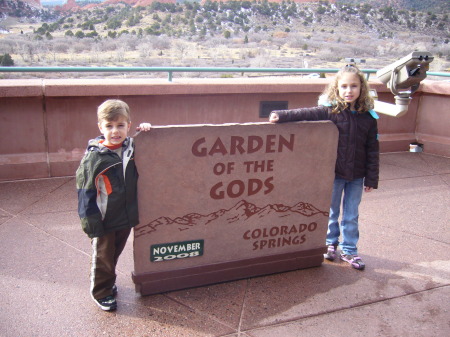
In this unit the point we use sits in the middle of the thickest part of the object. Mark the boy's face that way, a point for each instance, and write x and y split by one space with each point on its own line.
114 131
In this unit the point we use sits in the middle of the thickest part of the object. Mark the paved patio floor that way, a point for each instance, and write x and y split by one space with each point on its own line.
404 291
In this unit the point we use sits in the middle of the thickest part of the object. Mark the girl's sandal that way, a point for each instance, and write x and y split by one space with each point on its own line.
354 260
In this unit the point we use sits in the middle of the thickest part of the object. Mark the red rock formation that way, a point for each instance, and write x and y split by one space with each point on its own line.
135 3
34 3
144 3
279 1
70 5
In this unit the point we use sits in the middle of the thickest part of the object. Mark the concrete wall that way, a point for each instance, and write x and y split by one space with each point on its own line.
45 124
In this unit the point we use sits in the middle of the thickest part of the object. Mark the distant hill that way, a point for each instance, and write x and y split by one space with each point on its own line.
222 34
435 6
112 18
30 9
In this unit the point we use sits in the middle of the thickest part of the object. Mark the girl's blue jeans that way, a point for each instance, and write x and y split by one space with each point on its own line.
350 192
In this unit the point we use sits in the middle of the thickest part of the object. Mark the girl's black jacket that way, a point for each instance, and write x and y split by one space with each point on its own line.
358 148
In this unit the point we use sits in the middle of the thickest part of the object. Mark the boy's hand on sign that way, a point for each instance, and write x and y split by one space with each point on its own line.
144 127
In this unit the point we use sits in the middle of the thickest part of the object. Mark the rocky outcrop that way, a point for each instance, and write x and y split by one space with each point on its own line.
34 3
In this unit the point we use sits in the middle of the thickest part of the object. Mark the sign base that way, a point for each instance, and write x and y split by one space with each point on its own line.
158 282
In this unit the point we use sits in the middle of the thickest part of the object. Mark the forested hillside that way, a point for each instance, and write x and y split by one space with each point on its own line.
434 6
233 33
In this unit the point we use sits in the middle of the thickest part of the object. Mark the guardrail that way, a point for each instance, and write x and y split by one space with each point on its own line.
171 70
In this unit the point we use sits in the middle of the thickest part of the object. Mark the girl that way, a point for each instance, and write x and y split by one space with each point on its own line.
347 103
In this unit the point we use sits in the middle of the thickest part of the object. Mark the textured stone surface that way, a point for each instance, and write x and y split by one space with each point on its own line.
248 191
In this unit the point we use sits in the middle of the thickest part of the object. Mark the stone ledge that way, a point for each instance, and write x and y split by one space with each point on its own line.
151 86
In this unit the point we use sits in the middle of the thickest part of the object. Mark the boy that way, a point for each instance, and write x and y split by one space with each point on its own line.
107 196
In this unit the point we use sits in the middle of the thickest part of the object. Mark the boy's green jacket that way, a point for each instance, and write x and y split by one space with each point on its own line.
107 189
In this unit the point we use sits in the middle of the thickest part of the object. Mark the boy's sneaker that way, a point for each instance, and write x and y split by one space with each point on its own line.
108 303
354 260
330 255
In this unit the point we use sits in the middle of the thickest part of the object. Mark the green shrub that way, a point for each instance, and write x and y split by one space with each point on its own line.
6 60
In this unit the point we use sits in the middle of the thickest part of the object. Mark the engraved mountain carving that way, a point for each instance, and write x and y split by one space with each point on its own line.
242 211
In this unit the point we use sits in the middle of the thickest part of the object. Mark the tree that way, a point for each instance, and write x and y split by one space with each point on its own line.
113 24
91 34
40 31
79 34
27 49
182 49
321 10
6 60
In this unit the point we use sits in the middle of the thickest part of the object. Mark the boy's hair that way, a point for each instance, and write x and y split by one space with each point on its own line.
111 109
363 103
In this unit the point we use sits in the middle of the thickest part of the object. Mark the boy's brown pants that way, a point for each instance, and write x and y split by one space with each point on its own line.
105 254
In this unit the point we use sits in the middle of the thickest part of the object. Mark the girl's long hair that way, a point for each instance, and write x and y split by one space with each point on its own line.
363 103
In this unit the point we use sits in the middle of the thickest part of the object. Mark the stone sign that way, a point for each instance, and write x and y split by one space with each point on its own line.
223 202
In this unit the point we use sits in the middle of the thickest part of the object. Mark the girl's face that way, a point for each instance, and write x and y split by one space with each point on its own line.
349 88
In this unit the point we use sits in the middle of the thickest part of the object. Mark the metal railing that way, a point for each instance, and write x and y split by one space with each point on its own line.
171 70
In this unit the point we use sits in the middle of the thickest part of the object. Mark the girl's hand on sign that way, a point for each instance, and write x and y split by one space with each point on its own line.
273 118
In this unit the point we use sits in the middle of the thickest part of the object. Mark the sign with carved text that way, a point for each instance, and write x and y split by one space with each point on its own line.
222 202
